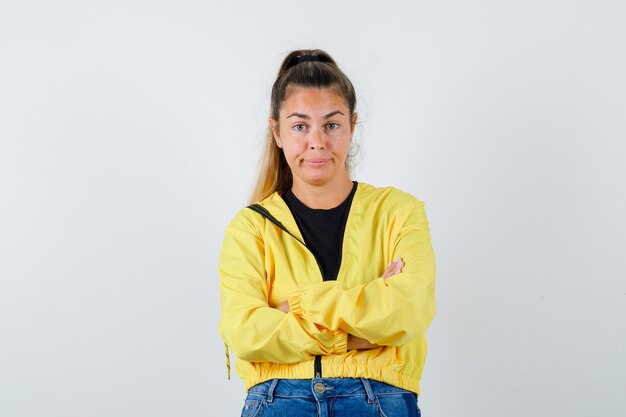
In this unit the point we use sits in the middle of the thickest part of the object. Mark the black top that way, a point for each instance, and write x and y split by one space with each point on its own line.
322 230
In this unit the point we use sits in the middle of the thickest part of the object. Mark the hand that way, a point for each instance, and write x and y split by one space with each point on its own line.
284 306
393 268
356 343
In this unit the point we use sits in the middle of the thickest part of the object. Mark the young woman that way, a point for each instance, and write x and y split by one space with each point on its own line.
327 285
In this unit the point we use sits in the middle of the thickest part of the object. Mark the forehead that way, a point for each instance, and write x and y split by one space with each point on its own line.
313 101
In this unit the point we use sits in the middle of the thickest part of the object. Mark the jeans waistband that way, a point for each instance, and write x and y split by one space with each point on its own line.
324 387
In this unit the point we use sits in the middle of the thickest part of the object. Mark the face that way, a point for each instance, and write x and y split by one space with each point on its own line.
314 131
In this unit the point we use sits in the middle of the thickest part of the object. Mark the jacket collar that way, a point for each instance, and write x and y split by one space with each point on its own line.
279 209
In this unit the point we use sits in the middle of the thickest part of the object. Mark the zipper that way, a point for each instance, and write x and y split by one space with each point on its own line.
317 367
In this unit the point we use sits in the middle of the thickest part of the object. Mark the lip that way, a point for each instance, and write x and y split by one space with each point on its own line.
317 162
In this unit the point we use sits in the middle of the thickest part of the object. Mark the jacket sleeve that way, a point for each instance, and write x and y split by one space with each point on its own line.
386 311
255 331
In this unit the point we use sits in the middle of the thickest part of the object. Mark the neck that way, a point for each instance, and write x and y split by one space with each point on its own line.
325 196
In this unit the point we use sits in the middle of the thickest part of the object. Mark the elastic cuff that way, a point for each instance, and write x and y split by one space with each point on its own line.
340 344
295 304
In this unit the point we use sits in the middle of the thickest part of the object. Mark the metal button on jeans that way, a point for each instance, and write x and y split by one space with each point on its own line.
319 387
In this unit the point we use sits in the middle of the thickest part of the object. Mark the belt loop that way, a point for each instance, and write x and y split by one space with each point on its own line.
270 390
368 389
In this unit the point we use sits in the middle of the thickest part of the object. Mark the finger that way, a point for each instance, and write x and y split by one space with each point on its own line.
391 274
397 269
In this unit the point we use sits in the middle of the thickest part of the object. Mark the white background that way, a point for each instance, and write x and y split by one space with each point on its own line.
130 132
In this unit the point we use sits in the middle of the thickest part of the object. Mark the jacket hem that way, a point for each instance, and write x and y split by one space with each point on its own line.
389 377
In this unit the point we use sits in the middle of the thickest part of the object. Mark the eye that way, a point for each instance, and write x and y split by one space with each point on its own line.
333 126
299 127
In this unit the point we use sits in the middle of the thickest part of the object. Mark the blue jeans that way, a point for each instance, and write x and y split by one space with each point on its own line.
325 397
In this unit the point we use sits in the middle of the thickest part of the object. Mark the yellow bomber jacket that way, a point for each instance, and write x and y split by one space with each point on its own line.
262 265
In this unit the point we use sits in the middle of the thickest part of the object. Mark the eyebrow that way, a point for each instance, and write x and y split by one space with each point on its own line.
304 116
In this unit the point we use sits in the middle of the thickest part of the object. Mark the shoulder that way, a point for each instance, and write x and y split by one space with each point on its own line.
391 206
387 198
249 219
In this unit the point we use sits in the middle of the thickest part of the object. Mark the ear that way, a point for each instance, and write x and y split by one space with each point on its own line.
353 120
274 127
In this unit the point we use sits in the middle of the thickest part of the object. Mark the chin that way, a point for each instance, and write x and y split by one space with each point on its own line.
316 179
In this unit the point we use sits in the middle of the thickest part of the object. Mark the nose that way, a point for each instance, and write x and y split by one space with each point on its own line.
316 139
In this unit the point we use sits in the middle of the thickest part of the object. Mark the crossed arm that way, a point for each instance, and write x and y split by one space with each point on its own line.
324 318
354 342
